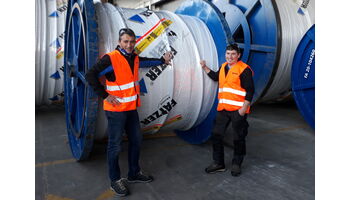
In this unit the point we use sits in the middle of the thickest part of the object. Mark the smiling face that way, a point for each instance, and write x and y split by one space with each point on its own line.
127 43
232 56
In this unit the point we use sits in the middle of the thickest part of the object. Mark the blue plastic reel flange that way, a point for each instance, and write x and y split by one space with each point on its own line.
218 27
255 27
81 52
303 76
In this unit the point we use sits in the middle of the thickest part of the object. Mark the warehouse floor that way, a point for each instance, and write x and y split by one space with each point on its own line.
280 163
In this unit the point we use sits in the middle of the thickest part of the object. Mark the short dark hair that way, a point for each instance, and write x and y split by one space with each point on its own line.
235 47
127 31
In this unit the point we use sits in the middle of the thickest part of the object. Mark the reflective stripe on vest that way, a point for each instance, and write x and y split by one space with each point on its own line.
125 87
233 91
231 95
127 99
120 87
231 102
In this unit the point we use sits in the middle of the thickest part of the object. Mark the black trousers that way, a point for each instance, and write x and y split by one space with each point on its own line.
240 131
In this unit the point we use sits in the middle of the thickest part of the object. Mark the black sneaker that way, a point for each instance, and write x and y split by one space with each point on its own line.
214 167
235 170
120 188
140 178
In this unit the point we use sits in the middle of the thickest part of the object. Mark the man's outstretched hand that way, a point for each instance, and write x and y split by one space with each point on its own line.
167 57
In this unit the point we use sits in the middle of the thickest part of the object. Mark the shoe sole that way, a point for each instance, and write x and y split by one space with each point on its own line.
138 181
219 170
118 194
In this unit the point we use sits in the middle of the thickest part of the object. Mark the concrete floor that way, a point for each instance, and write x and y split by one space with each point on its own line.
280 163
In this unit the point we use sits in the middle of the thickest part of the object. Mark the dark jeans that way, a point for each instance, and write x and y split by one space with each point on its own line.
240 131
117 122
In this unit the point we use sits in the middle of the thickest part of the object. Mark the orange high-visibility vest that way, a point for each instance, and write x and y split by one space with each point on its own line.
125 87
231 94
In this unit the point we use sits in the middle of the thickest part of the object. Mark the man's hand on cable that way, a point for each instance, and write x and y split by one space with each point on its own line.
204 66
167 57
112 100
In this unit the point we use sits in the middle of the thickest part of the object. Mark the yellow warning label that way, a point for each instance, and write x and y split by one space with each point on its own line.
158 126
151 128
152 36
59 55
174 119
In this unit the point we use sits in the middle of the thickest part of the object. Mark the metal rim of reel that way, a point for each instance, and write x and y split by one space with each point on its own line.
218 27
256 28
81 52
304 87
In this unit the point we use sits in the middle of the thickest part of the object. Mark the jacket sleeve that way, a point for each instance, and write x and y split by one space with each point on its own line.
102 67
214 75
247 83
150 62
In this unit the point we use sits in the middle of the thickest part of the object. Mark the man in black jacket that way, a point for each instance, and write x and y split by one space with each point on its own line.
121 109
236 90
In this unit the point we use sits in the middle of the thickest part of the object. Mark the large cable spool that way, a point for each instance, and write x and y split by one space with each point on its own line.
173 96
218 27
268 31
50 27
303 77
81 102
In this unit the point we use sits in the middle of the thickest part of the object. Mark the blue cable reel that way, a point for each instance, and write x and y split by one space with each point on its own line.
303 76
219 29
255 27
81 52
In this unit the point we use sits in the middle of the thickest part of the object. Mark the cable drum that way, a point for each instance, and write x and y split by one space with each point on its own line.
116 22
295 22
50 25
207 52
303 77
40 49
58 74
105 45
105 38
174 93
188 85
178 96
268 32
81 52
157 82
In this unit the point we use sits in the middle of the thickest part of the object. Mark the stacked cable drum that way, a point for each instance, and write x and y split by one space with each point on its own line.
268 31
303 77
49 51
178 96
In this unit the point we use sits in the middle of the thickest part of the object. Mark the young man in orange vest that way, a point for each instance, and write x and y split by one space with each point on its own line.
236 89
121 98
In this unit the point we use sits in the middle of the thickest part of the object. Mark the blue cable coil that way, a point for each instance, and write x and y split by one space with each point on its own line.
303 76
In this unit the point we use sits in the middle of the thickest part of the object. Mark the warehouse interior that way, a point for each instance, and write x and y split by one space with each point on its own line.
280 162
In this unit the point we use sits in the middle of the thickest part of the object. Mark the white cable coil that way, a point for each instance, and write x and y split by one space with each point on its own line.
294 25
207 51
50 25
179 96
